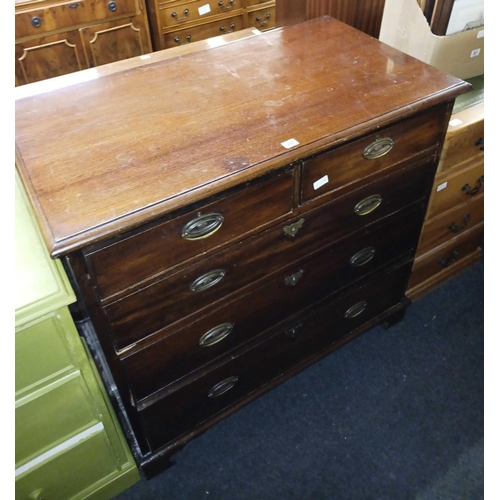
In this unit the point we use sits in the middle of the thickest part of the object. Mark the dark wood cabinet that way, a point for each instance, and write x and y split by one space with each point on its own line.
224 238
54 39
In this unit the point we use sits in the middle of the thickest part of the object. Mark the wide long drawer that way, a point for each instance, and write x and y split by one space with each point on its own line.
214 392
133 259
374 153
170 300
172 355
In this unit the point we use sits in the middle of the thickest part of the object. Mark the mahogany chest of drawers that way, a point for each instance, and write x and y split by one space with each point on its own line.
226 237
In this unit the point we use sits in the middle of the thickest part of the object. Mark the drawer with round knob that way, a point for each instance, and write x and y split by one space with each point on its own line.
198 10
202 31
357 161
63 15
294 341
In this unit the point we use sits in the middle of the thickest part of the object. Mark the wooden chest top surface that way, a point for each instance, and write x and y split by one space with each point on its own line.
108 154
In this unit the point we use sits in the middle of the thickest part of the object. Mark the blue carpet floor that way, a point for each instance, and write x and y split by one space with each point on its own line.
394 415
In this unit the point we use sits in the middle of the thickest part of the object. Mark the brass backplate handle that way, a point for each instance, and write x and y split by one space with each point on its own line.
378 148
362 257
368 205
207 280
216 334
202 226
222 387
355 310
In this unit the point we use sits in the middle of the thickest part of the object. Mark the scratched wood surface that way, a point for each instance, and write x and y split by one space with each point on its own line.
111 153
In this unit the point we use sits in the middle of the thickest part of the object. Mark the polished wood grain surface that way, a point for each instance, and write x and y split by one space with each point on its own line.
116 151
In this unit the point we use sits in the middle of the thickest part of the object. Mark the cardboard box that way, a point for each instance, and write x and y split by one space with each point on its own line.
405 27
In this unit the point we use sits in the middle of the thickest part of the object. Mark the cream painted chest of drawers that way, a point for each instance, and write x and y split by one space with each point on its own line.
225 238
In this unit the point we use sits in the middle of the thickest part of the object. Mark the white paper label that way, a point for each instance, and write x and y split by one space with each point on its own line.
256 32
441 186
455 122
480 34
145 57
475 52
320 182
290 143
204 9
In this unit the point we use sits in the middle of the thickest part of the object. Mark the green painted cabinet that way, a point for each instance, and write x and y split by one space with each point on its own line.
69 444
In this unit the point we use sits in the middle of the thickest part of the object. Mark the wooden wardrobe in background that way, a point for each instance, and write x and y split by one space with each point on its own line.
365 15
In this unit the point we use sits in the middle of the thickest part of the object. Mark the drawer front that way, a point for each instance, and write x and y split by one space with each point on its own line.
461 144
252 3
44 339
179 353
453 189
68 14
52 415
262 19
203 31
193 404
72 472
186 12
444 227
366 157
445 256
172 299
134 259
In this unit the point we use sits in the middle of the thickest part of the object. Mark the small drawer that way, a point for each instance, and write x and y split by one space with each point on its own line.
51 415
444 227
262 19
68 14
464 138
456 187
140 256
170 300
216 391
187 12
443 258
203 31
172 355
44 339
354 162
69 473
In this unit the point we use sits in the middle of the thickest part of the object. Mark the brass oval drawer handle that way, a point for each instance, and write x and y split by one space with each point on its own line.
480 142
355 310
222 387
455 229
362 257
293 279
368 205
202 226
472 191
207 280
378 148
223 28
293 229
216 334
